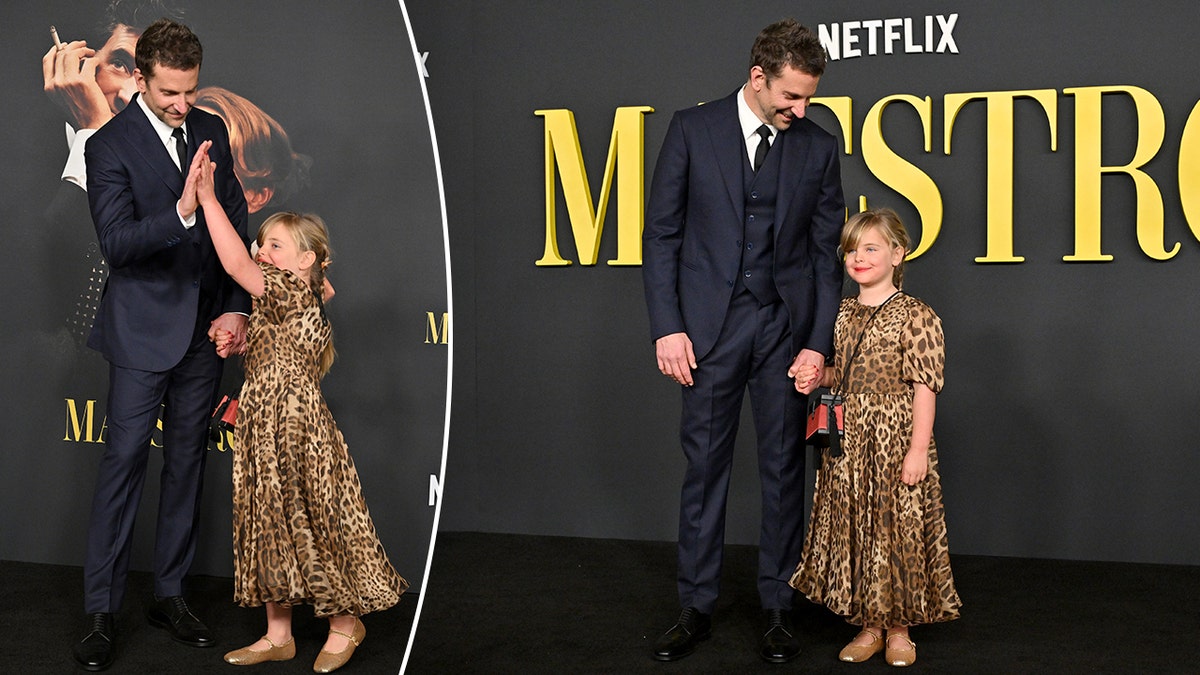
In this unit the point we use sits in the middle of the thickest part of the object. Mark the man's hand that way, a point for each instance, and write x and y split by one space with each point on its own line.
69 79
675 357
811 358
233 323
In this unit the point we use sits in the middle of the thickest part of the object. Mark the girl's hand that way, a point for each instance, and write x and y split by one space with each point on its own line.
916 466
806 358
806 373
202 168
194 187
223 340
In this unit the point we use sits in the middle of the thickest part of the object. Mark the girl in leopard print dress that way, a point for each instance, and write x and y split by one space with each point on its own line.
876 550
302 532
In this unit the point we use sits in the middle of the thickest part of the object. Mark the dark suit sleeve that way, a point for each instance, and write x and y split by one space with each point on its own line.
125 239
824 241
662 236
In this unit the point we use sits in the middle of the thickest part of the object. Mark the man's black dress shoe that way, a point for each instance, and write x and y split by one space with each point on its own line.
95 650
778 644
693 626
173 614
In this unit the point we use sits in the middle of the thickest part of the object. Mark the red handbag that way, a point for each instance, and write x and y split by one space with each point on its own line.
825 427
824 421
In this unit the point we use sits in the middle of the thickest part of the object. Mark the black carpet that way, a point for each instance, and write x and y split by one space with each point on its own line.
526 604
521 604
41 617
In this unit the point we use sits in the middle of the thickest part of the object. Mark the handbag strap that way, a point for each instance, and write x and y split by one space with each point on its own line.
835 431
854 353
835 445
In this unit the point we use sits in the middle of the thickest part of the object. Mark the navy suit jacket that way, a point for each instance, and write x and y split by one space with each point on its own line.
157 267
691 249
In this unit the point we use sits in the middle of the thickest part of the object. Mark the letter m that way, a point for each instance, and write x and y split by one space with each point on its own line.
79 427
435 334
626 152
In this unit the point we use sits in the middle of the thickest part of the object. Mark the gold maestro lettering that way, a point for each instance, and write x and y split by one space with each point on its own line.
82 427
1189 171
900 174
435 333
224 441
626 162
1088 170
1000 144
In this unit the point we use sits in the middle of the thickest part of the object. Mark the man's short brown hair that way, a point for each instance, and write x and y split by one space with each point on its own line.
788 43
170 44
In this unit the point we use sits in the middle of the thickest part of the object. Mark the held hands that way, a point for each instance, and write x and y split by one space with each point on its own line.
69 79
806 370
228 333
223 340
805 375
675 357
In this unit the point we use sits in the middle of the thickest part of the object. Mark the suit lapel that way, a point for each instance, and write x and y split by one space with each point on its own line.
146 142
793 163
725 133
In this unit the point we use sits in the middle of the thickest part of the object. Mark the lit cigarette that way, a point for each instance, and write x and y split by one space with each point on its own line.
57 43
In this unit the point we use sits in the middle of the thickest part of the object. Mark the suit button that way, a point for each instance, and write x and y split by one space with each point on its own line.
750 218
747 274
754 195
750 246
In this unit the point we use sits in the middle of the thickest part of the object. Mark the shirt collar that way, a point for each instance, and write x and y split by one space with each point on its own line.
163 129
748 120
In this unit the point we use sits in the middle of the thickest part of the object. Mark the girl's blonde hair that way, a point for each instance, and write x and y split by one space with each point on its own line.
888 223
310 234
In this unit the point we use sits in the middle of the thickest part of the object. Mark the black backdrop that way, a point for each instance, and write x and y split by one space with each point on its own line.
345 83
1066 427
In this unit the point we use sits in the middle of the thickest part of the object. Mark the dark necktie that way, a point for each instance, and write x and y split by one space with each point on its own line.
760 153
180 150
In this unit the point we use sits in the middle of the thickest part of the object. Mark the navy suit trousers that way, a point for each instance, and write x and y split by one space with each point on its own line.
135 399
752 353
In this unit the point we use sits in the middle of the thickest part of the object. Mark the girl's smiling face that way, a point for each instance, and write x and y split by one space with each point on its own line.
280 249
871 262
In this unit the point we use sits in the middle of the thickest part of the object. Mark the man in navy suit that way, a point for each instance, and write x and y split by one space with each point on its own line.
165 296
743 280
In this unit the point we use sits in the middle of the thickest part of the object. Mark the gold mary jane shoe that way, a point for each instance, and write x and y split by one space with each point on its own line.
249 657
853 653
901 657
327 662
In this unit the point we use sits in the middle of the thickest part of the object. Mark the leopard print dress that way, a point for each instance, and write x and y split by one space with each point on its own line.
876 551
301 529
